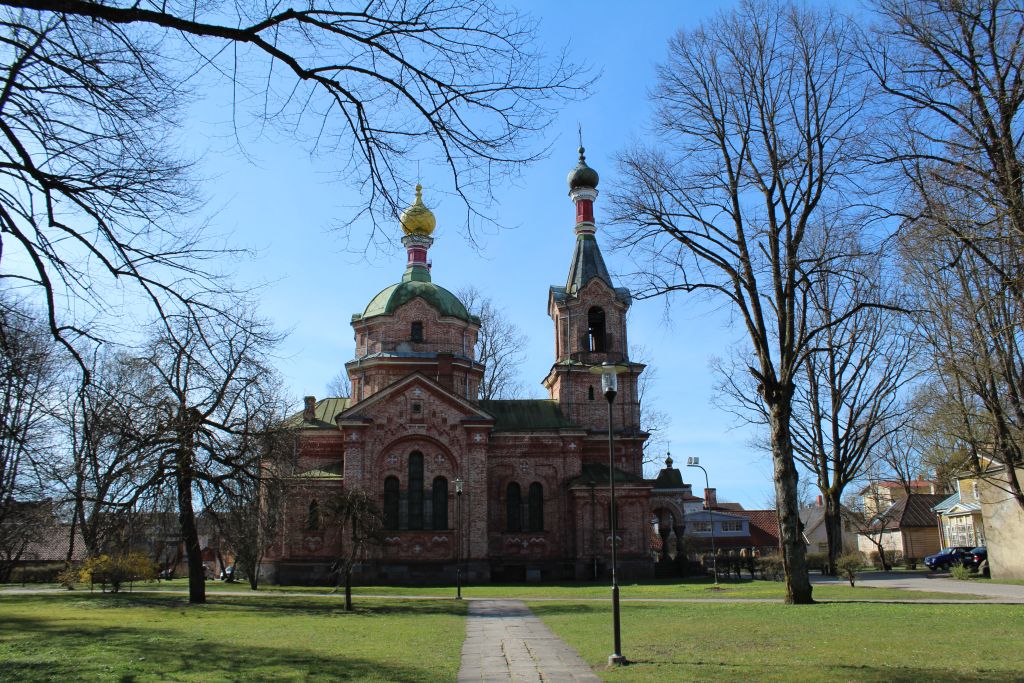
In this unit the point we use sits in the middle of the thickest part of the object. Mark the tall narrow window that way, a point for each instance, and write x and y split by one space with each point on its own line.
416 334
595 328
440 504
391 496
313 519
535 519
513 507
415 496
590 392
613 523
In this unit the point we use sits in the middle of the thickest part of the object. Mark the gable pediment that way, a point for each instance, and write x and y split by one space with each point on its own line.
409 390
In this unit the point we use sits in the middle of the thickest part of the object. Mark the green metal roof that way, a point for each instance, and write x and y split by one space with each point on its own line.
526 415
598 475
439 298
669 478
323 414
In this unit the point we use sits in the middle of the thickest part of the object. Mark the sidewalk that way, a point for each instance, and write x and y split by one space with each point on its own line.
936 583
506 642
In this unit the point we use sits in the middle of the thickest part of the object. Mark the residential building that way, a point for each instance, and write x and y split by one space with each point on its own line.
909 526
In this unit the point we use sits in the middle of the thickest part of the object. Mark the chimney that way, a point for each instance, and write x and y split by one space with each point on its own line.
710 499
820 501
309 410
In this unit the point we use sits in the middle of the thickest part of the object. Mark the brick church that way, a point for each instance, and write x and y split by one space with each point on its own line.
529 477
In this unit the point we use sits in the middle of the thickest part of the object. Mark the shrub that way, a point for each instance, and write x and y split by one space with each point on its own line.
892 557
69 577
960 572
817 561
910 563
849 564
116 571
771 568
35 574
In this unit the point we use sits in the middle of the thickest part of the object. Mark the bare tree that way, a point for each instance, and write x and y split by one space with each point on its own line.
356 513
28 378
250 511
340 386
973 326
653 420
499 346
955 74
96 193
213 388
758 127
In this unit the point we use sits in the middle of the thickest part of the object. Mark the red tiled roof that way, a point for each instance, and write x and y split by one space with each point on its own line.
52 545
764 526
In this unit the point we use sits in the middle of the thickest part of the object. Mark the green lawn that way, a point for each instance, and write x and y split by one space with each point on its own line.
691 589
770 642
150 637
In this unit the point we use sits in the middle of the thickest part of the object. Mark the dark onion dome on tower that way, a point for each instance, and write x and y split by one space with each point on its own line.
582 175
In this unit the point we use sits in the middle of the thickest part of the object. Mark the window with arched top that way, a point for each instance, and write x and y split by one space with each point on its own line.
391 498
416 333
535 507
590 392
513 507
415 497
313 517
595 329
439 504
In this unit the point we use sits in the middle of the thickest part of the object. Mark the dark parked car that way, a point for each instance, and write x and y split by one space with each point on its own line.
977 560
947 557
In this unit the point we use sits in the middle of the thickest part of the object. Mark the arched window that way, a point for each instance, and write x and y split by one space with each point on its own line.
391 496
535 518
590 392
513 507
313 517
440 503
595 328
416 333
415 490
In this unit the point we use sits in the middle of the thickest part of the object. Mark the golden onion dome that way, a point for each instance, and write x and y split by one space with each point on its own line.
418 219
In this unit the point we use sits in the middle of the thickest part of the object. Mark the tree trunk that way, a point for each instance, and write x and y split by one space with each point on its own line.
833 531
189 531
348 588
798 584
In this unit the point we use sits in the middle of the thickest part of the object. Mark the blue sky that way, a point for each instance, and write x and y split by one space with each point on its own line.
274 197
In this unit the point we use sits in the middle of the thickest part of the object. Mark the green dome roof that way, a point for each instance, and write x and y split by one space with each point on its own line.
582 175
439 298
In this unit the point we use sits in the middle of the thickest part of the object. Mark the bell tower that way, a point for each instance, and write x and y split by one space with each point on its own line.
589 314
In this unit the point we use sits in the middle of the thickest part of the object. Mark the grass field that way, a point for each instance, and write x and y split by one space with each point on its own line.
299 634
147 637
770 642
668 589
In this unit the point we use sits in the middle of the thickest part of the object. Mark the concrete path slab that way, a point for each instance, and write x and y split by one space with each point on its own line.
506 642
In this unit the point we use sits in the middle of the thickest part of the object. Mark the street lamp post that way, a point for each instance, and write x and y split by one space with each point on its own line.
609 387
695 462
458 538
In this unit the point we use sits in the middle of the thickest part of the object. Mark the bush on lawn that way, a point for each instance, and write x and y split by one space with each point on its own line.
892 558
35 574
117 571
910 563
849 564
960 572
771 568
816 561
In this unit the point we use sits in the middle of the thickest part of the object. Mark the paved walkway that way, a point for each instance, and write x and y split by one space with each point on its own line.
506 642
933 582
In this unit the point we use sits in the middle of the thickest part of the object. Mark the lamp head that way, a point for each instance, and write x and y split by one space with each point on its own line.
692 462
458 485
609 378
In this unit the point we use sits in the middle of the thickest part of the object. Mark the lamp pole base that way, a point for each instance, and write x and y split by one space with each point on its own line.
616 660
